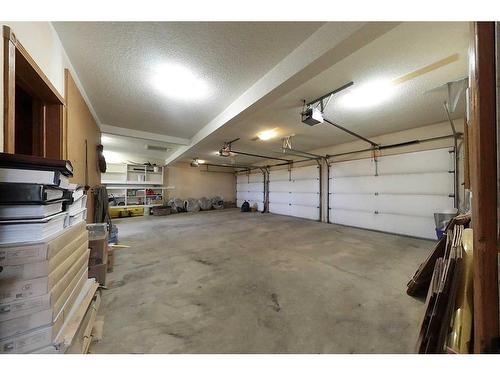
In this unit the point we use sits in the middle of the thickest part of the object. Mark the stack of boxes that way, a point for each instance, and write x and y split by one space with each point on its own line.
45 293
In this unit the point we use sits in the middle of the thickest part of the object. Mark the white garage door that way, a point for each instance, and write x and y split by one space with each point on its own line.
401 199
295 192
250 188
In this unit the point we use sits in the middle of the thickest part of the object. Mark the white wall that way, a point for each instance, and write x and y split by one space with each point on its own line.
43 44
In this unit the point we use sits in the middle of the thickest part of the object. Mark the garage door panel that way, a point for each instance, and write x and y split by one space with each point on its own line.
403 197
401 224
361 202
256 177
250 188
241 179
417 205
298 196
279 186
279 197
279 175
305 186
280 208
305 212
250 196
256 186
418 183
362 167
308 199
422 162
305 173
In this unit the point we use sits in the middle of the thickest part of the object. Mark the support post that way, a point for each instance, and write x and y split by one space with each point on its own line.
483 185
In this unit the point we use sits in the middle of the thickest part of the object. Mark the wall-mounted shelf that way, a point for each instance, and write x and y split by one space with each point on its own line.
128 184
118 173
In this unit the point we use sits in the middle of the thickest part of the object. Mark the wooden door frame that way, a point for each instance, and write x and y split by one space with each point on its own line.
483 178
15 55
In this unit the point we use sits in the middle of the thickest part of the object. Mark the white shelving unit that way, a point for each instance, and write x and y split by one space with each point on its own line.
132 174
134 185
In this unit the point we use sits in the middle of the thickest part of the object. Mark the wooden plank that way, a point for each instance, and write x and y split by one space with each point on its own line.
53 134
483 186
9 92
68 331
466 155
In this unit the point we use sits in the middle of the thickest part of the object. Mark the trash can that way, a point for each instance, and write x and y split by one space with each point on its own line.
442 219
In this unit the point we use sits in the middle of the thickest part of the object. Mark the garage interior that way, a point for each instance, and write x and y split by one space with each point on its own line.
253 187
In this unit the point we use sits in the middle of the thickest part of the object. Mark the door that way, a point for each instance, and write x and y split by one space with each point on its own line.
250 188
397 194
295 192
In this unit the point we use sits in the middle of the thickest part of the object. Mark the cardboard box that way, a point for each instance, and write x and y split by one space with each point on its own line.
52 316
111 259
27 342
30 271
99 250
49 335
98 272
32 252
16 290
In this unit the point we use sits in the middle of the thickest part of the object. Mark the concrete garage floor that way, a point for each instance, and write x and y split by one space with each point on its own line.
232 282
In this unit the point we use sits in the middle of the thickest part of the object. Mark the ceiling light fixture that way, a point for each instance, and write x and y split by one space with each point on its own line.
178 82
267 134
368 94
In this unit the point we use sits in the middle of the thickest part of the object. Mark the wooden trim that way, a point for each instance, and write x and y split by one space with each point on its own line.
10 36
9 94
466 155
483 177
65 116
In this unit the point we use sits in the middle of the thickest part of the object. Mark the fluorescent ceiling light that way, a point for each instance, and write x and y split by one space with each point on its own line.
368 94
201 161
178 82
267 134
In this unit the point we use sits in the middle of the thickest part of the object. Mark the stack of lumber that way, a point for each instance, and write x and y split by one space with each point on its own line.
438 329
419 283
44 287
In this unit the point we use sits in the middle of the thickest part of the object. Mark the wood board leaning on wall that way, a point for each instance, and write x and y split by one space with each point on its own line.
81 132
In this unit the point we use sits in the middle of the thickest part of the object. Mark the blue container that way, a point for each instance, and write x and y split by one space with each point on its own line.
439 233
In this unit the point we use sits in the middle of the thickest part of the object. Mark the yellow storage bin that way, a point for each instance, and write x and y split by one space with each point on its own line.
135 211
116 212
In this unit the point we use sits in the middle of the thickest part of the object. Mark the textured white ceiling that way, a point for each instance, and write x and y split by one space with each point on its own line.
404 49
134 149
116 61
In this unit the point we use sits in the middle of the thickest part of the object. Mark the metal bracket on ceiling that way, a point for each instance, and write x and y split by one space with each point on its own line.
311 118
286 147
455 90
324 100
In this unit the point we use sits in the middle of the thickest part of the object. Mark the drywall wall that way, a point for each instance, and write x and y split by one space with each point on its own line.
42 42
82 137
189 182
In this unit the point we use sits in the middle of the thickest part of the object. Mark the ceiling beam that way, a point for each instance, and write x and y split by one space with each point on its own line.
331 43
115 130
